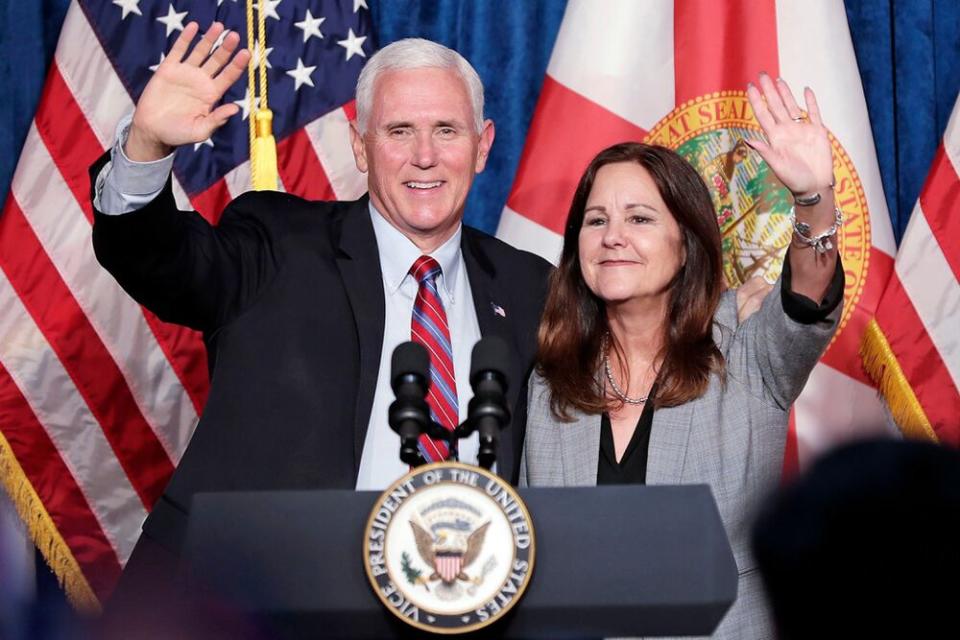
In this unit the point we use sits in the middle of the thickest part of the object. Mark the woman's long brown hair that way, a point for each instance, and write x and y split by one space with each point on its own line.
574 320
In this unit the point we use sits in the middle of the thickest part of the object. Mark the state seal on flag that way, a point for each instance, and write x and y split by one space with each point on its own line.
449 548
752 205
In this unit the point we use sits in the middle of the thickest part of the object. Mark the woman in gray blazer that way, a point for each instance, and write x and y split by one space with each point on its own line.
645 373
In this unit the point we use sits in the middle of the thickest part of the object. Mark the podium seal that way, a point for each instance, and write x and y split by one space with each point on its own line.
449 548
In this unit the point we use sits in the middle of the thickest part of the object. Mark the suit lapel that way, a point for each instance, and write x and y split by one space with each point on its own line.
580 450
668 443
359 265
492 304
670 434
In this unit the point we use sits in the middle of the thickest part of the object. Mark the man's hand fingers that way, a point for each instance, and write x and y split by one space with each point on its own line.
180 45
219 116
221 56
232 72
203 48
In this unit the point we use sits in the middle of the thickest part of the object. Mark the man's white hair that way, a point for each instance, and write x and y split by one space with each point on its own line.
416 53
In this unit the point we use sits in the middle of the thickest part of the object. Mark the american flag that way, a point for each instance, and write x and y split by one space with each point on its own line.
913 345
98 398
673 72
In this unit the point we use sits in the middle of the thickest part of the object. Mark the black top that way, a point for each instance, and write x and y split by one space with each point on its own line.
632 469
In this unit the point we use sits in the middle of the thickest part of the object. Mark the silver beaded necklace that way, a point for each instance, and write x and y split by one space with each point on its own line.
613 384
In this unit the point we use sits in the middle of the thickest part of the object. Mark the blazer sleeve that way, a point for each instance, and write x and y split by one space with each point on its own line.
772 354
181 267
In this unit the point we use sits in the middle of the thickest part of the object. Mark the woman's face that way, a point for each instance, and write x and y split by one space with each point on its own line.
631 247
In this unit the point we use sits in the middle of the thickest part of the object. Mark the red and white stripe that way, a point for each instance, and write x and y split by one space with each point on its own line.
611 80
448 566
921 305
98 398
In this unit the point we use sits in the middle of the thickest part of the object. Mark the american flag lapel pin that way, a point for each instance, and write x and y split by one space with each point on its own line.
498 310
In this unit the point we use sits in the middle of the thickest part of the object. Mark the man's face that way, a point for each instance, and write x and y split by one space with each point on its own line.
421 151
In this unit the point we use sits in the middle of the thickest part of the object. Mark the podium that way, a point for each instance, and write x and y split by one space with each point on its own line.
610 561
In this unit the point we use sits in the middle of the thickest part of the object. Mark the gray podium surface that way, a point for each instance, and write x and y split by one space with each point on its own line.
610 561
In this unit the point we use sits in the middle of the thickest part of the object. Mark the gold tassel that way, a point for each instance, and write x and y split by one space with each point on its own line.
263 153
44 533
882 366
263 146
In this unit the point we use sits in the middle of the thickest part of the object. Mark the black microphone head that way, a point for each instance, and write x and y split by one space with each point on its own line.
409 358
489 354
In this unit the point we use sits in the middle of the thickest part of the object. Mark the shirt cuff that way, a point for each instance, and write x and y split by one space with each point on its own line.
124 185
802 309
137 178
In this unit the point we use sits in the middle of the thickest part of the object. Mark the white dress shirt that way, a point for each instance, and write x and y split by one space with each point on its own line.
380 464
123 186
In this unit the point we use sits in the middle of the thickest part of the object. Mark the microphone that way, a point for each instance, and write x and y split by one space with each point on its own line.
487 411
409 414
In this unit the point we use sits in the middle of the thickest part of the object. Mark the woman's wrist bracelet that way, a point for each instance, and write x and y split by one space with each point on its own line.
808 201
820 242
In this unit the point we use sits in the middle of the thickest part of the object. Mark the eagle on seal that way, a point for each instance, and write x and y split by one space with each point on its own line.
450 553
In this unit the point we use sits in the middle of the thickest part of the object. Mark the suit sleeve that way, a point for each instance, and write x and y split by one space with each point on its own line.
773 352
181 267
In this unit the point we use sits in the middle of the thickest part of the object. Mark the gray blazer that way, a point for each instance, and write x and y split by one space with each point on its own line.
732 437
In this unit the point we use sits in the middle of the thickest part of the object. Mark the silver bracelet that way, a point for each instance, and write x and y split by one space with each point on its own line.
806 201
809 201
821 242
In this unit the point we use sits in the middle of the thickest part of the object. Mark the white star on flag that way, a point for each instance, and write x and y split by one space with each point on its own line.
244 103
173 20
154 67
270 8
128 6
220 39
256 55
220 2
207 142
353 45
310 26
358 4
301 75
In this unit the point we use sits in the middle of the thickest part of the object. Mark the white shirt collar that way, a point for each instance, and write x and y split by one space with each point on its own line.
398 253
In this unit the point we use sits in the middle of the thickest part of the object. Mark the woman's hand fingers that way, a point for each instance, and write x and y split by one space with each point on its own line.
750 295
771 95
760 109
813 108
797 149
793 109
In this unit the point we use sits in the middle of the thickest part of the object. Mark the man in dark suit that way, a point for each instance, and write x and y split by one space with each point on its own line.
301 303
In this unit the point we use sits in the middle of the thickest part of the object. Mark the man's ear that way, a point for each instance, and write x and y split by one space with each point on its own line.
486 142
359 149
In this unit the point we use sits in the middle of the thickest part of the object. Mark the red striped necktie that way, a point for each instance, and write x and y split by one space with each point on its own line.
428 326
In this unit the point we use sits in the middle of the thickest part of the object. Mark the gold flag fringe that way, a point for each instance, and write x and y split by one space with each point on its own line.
882 366
44 533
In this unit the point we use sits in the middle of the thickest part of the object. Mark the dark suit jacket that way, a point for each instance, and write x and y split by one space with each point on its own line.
289 295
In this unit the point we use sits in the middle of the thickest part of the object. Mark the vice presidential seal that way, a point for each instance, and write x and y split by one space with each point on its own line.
449 548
